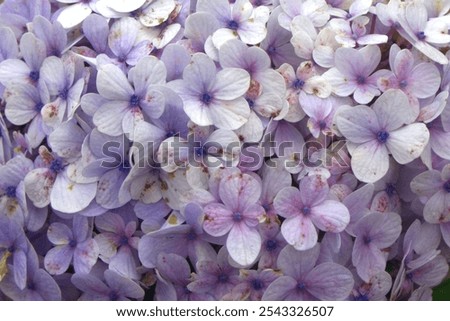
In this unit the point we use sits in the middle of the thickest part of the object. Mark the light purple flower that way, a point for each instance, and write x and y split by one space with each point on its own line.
308 208
304 280
375 132
354 73
118 244
174 275
216 277
253 285
374 232
417 80
238 217
128 104
75 246
434 189
211 97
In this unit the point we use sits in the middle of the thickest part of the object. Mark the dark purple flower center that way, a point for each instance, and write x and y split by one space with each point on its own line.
382 136
134 101
421 35
56 165
206 98
447 186
306 210
186 290
322 125
123 240
113 296
170 133
233 25
63 94
38 106
31 286
361 297
10 191
257 284
403 84
298 84
34 75
200 151
191 236
390 189
222 278
251 102
271 245
11 249
73 243
237 217
367 239
125 166
301 286
360 80
122 58
272 49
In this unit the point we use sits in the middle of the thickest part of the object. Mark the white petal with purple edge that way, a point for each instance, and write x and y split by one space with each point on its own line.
70 197
112 83
370 161
330 216
243 244
407 143
85 256
299 232
38 185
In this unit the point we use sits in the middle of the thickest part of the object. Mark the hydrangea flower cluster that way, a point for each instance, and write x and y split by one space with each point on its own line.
224 149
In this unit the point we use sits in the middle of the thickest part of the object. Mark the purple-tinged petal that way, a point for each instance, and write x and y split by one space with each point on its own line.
243 244
38 186
279 289
437 208
288 202
74 14
296 263
20 268
70 197
218 219
85 256
391 109
370 161
57 260
329 282
427 183
358 124
313 190
299 232
330 216
112 83
239 191
425 80
59 234
96 29
408 143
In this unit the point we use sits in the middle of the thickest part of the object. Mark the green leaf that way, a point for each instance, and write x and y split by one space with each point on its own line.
442 291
